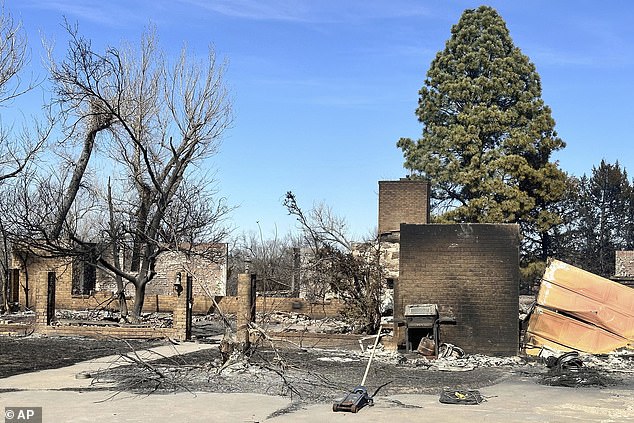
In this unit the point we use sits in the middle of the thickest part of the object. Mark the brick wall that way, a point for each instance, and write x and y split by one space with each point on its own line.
315 310
37 279
403 201
471 271
624 264
123 332
209 276
209 279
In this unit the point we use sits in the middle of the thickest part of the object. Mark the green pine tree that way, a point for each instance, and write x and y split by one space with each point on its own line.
603 208
488 136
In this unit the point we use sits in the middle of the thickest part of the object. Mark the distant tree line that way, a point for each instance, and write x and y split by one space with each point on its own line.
597 219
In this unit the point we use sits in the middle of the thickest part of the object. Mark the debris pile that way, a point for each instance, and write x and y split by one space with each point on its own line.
466 362
526 303
106 317
18 317
297 322
568 370
617 362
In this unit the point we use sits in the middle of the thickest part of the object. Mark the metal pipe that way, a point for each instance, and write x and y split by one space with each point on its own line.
367 368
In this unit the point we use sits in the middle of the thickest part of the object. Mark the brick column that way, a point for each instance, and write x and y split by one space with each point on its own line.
41 299
246 310
179 322
402 201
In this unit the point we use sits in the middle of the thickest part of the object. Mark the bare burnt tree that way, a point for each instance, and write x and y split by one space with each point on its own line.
271 259
18 146
146 125
334 265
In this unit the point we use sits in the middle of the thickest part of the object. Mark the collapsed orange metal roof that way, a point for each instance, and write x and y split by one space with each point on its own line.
578 310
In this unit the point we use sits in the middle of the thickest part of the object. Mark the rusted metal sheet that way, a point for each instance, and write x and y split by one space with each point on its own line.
618 297
573 333
534 344
581 311
556 297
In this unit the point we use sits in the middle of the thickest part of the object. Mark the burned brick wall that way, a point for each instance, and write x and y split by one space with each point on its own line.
32 278
209 274
471 271
403 201
208 267
624 268
209 278
624 264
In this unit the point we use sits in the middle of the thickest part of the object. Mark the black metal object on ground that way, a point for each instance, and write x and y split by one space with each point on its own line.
358 397
353 401
460 396
422 328
568 370
569 360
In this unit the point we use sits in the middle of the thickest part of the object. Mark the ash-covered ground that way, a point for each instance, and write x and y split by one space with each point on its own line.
317 375
305 375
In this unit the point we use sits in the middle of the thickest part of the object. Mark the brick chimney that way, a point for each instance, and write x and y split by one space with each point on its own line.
402 201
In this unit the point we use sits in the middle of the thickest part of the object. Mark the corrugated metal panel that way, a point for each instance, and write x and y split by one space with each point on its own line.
553 296
534 343
573 333
616 296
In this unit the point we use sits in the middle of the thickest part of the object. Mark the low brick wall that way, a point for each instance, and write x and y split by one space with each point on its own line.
119 332
99 332
331 308
152 303
177 331
202 304
175 304
83 302
157 303
16 329
318 340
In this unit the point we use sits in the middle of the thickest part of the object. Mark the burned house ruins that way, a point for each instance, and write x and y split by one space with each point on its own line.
78 284
468 273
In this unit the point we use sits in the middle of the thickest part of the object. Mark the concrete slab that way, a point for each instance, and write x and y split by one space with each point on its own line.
65 377
95 406
513 400
64 398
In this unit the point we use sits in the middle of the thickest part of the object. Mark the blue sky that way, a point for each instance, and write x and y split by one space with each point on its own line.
322 90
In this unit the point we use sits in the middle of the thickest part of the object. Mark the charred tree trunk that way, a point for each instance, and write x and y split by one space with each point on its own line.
100 121
123 305
139 230
145 275
4 281
139 299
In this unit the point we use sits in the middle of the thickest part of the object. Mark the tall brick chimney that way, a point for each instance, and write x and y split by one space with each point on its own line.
402 201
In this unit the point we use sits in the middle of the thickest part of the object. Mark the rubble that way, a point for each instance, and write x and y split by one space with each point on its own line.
526 305
466 362
107 317
568 370
297 322
26 316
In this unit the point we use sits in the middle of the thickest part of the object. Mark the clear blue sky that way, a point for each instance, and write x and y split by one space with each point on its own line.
322 90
